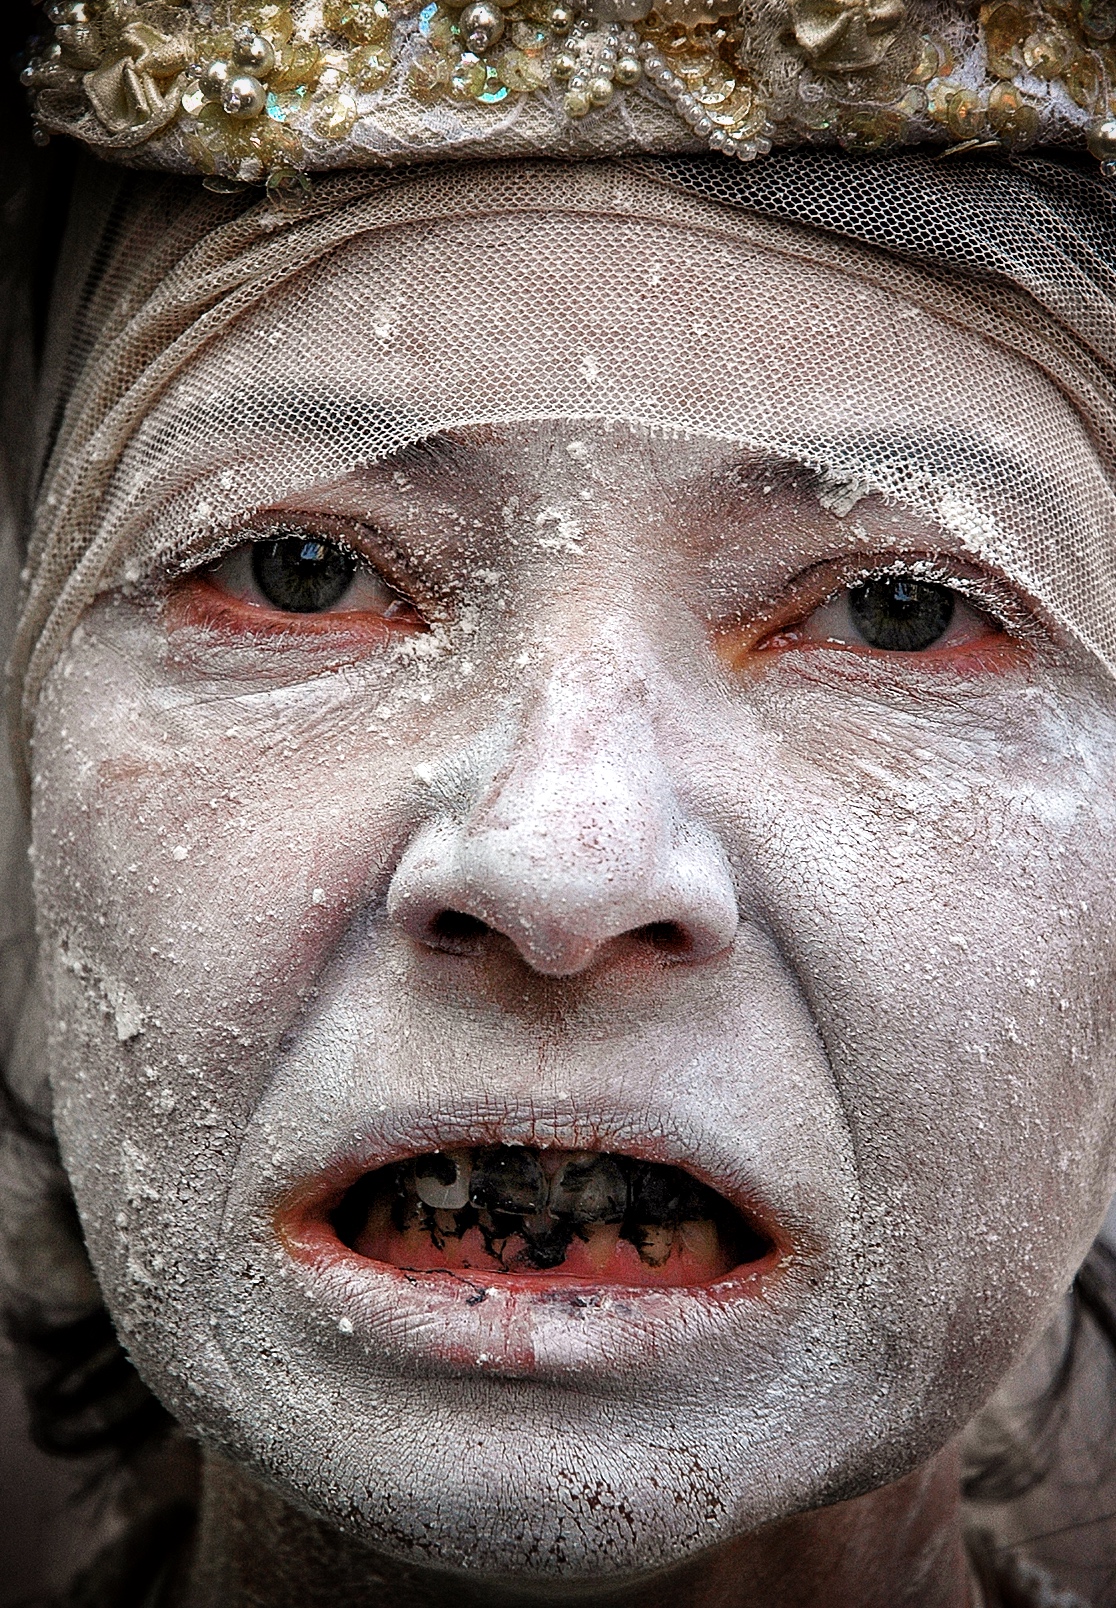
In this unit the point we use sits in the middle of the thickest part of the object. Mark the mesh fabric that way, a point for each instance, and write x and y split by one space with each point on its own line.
156 270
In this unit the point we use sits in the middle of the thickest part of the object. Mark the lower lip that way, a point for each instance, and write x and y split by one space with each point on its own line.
544 1324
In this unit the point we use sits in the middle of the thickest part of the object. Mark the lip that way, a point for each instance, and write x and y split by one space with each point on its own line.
518 1325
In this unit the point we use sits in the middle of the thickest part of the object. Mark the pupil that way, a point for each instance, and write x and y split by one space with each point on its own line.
900 614
301 576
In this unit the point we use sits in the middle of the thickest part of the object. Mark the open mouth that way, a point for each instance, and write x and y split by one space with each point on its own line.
595 1217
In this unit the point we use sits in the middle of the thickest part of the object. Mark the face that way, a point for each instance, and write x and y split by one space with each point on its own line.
580 953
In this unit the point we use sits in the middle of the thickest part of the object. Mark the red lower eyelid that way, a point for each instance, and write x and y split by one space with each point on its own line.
988 649
196 600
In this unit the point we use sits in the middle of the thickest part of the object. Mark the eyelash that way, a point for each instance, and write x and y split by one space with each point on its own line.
364 547
784 628
980 592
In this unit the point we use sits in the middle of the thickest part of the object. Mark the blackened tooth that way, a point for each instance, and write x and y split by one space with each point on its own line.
589 1188
508 1179
547 1241
666 1195
442 1179
654 1242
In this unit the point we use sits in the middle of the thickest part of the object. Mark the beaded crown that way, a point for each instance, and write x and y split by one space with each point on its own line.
251 90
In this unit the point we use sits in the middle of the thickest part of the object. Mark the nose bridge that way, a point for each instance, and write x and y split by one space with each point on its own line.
583 802
579 836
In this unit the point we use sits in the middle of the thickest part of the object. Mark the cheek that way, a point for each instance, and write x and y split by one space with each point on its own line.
196 867
947 904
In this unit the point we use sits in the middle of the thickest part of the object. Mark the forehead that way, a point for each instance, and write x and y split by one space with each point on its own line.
559 314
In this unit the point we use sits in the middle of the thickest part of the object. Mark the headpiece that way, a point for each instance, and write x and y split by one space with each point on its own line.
254 89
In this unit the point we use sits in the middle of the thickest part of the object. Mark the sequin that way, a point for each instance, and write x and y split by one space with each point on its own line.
520 72
871 131
965 117
1083 81
370 68
298 66
1098 18
365 22
468 79
1012 116
927 63
1047 52
1005 28
334 116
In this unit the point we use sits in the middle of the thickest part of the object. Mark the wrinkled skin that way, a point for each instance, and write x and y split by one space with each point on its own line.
885 1030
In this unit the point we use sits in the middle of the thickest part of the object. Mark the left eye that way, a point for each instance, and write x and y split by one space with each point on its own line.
900 614
895 614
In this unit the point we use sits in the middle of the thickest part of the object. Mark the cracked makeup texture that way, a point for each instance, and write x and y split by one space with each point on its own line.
889 1039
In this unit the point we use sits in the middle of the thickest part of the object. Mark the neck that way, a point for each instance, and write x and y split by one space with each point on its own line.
899 1547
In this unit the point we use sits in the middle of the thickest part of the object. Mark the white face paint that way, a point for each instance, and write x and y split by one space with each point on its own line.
827 926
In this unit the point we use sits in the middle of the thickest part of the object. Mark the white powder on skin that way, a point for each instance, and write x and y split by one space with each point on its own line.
895 1033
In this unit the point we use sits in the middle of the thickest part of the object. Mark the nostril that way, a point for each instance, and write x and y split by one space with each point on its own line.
456 931
665 936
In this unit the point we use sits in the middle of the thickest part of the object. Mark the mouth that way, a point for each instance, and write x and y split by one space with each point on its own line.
589 1217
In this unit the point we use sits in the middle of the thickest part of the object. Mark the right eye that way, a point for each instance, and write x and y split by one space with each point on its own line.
299 573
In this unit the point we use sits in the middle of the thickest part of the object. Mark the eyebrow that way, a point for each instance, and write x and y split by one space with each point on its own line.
940 459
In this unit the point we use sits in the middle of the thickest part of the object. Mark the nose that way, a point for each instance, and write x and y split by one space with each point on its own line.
579 840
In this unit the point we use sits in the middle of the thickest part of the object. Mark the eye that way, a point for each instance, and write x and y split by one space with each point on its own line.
896 613
300 576
901 615
299 573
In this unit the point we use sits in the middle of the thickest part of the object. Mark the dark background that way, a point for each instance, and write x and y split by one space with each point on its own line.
35 1490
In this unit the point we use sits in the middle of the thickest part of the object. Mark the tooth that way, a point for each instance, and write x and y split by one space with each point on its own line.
508 1179
589 1188
442 1180
653 1241
666 1195
547 1241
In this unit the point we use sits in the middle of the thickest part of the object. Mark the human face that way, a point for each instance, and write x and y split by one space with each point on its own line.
583 786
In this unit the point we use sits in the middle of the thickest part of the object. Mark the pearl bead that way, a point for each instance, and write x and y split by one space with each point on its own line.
577 103
1100 137
255 54
600 90
565 64
213 80
628 71
244 96
481 25
561 19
